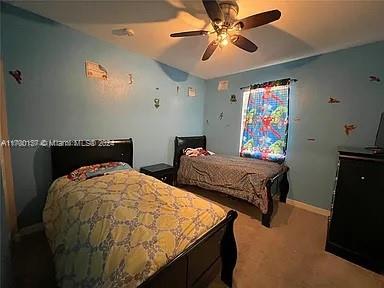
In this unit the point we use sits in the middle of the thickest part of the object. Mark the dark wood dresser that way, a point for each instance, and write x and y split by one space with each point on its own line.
356 224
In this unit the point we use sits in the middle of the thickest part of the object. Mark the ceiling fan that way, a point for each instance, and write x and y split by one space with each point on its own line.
227 28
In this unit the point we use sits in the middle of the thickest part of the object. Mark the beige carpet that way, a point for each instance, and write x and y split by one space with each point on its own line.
290 254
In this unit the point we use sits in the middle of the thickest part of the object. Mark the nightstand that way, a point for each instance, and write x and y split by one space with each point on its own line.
163 172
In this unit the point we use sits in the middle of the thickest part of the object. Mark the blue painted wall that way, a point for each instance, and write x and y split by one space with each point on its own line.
343 75
57 101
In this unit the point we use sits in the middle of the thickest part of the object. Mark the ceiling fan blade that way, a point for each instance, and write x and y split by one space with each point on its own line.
259 19
243 43
189 33
210 49
213 10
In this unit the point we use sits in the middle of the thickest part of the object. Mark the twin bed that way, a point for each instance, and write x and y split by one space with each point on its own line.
252 180
127 229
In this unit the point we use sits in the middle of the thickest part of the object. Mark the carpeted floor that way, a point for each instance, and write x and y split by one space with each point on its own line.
290 254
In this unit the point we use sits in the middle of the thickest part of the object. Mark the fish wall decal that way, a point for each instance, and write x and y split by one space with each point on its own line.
374 78
333 100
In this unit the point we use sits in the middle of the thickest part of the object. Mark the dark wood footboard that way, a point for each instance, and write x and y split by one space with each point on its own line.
198 266
278 184
229 251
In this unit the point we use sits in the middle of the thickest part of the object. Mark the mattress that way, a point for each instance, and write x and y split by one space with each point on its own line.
243 178
117 230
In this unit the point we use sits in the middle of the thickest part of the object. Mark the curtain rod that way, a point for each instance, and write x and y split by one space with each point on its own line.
290 79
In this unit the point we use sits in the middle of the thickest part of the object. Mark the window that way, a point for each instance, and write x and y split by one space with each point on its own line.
264 125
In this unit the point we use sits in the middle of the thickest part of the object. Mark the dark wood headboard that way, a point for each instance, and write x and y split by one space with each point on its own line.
65 159
182 143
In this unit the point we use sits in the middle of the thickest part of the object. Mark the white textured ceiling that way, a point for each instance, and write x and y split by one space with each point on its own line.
306 28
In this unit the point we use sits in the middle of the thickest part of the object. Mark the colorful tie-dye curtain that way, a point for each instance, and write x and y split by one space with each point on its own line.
265 121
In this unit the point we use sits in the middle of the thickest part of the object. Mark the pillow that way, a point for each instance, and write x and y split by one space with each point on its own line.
95 170
194 152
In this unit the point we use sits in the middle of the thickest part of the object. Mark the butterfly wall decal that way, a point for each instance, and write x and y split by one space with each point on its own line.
348 128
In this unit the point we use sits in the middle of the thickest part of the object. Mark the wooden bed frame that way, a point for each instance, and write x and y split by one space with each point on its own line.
199 264
278 184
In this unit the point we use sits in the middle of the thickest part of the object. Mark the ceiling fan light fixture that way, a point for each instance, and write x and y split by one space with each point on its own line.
224 43
222 38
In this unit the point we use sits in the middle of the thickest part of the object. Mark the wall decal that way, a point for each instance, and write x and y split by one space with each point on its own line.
228 125
17 75
348 128
207 122
130 79
374 78
94 70
233 98
311 139
191 92
157 102
223 85
221 116
333 100
177 89
297 119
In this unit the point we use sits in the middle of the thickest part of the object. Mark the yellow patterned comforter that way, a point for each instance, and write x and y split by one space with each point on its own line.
117 230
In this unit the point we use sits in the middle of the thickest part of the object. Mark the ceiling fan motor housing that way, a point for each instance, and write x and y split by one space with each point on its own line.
230 10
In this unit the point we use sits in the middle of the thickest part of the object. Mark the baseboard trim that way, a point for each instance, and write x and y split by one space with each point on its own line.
308 207
28 230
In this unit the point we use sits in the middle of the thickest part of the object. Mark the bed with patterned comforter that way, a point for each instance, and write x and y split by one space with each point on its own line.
244 178
117 230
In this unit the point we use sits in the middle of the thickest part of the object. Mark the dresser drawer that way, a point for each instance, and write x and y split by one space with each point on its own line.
357 220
